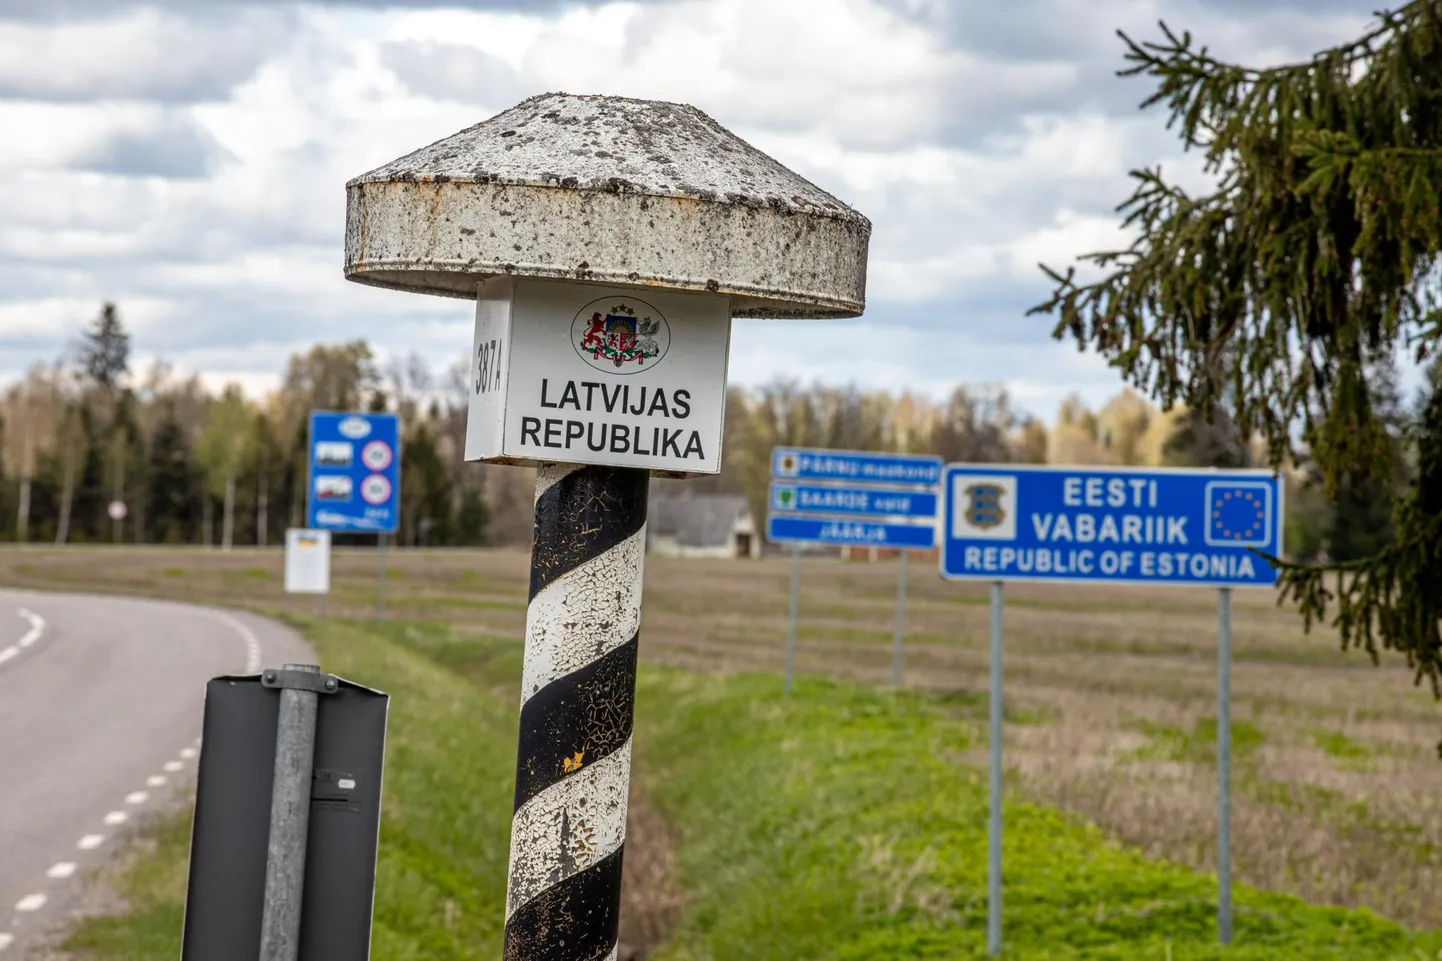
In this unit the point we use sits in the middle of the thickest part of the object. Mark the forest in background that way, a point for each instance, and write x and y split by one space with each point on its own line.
196 467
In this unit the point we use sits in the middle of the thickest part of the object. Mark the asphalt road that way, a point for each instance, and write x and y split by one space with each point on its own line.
100 711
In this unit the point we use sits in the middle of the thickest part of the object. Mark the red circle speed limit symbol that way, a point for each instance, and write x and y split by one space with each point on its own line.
376 455
375 489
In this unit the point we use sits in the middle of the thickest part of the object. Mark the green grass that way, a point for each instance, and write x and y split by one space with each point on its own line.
840 823
1340 746
444 833
153 884
1199 745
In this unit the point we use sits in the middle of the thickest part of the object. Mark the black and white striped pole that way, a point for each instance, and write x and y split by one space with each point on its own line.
577 703
608 244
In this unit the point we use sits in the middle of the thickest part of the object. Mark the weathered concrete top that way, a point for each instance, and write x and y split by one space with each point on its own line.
609 190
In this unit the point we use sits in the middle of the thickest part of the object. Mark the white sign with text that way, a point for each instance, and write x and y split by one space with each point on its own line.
587 374
307 561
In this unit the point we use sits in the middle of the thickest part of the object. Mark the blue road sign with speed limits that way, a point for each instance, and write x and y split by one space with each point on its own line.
827 530
797 463
1112 525
355 473
869 501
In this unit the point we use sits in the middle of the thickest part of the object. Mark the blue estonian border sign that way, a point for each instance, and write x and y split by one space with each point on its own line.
871 500
1110 525
355 472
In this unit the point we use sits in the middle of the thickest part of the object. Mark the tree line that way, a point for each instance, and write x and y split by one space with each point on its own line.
196 467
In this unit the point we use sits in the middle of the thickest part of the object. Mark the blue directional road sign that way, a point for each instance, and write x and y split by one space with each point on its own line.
869 501
355 473
794 463
856 498
1110 525
828 530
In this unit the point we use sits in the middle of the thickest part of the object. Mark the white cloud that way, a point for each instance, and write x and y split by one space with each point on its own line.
979 138
142 53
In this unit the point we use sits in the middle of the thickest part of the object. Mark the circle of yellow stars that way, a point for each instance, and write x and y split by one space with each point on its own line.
1251 498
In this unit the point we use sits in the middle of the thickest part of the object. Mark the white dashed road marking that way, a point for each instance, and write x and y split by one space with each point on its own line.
37 628
62 870
252 643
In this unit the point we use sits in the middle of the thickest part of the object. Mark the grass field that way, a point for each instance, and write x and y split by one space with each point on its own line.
1111 694
793 835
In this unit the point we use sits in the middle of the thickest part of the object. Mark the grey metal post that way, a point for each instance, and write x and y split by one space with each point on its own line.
900 620
289 821
993 834
1224 765
791 616
381 590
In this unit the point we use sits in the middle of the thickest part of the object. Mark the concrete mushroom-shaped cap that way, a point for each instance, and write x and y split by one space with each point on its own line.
608 190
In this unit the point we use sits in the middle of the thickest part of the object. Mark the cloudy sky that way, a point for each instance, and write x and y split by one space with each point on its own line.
186 158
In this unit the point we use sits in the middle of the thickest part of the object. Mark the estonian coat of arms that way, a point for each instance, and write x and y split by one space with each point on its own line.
615 335
984 508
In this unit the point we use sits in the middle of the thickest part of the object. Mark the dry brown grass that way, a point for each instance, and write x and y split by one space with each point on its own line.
1338 791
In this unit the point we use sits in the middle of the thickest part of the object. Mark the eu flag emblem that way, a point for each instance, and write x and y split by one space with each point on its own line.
1238 514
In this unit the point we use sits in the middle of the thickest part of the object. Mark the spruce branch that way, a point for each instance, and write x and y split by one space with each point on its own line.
1316 248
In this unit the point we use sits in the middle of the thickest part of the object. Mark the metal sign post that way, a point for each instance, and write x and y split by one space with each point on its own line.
791 617
1111 525
287 819
607 242
1224 765
300 686
860 498
994 736
900 620
383 543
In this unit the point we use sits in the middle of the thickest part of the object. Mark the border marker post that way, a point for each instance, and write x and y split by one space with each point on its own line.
608 243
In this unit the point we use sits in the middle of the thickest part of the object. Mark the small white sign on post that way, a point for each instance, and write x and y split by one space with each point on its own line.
587 374
307 561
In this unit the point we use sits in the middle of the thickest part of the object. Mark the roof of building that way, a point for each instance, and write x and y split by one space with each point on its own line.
704 520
